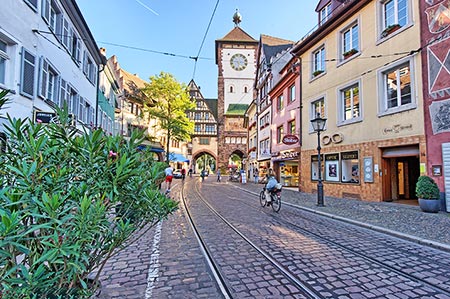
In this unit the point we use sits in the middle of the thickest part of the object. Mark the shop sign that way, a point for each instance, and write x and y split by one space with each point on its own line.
290 139
289 155
349 155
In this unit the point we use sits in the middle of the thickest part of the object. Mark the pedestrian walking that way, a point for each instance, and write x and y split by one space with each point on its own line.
202 175
218 175
256 175
169 176
183 174
190 172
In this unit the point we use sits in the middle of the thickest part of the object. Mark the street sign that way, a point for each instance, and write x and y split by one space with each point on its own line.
44 117
290 139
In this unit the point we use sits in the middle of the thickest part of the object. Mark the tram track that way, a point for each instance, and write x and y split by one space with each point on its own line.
445 288
224 283
438 288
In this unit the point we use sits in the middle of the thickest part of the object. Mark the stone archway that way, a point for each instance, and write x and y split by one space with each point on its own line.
204 160
236 159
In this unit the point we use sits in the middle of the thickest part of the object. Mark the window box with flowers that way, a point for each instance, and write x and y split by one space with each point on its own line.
349 53
390 29
317 73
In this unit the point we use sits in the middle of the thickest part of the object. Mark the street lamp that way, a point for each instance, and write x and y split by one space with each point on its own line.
318 125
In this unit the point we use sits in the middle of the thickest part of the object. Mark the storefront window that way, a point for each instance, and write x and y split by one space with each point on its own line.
332 167
350 167
315 167
289 173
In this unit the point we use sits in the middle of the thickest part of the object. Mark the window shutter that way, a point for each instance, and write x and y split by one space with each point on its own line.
85 63
27 76
46 10
43 78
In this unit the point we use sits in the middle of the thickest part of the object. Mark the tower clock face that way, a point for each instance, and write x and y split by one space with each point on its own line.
238 62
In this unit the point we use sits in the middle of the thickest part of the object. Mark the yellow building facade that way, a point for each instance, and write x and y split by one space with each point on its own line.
361 70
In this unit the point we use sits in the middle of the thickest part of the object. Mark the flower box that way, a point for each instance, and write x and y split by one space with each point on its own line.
390 29
349 53
317 73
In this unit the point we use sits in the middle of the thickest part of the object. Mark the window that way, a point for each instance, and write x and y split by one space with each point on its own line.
204 140
395 12
280 102
350 104
350 167
32 4
332 167
27 73
397 89
75 46
89 68
318 108
292 93
315 167
279 134
350 41
318 62
52 16
4 58
324 13
245 89
291 127
197 128
73 100
231 89
210 128
65 38
49 79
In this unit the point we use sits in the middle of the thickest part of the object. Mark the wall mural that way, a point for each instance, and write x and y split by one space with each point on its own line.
440 112
438 54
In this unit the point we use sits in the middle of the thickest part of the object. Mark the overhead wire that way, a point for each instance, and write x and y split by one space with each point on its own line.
204 38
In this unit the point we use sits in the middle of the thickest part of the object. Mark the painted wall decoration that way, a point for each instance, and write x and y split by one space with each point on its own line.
439 67
438 16
440 116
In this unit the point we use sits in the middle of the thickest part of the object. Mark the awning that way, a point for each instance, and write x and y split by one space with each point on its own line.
177 158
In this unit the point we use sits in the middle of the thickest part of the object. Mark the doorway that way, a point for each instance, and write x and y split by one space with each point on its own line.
401 169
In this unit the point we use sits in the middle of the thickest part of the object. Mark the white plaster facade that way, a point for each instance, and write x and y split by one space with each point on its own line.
48 57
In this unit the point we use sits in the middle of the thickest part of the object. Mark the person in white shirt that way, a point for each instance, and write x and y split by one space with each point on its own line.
169 176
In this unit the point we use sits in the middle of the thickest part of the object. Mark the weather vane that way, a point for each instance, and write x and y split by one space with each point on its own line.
237 18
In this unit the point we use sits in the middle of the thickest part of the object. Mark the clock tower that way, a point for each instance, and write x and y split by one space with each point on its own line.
236 61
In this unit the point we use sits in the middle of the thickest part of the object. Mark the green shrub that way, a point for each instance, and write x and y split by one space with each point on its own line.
427 188
60 192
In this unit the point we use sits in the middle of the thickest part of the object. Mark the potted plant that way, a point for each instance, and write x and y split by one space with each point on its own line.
389 29
428 194
349 53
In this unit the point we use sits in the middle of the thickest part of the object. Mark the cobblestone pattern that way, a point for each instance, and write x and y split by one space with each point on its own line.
333 269
183 271
248 274
400 219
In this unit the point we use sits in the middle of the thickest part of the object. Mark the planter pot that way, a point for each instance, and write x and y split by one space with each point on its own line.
429 205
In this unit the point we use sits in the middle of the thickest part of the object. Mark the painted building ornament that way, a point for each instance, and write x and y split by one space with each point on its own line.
439 68
438 16
440 116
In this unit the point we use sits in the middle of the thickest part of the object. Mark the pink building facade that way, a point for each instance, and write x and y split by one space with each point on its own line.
285 127
435 22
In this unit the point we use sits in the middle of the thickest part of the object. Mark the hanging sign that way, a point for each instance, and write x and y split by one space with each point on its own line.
290 139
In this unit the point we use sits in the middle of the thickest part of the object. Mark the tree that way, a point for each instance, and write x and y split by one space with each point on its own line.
168 101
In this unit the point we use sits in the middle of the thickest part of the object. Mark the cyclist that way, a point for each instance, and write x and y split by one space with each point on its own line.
271 182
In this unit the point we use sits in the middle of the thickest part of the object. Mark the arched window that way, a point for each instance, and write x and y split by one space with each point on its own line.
245 89
231 89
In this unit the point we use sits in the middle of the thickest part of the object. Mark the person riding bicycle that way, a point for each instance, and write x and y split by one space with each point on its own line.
271 183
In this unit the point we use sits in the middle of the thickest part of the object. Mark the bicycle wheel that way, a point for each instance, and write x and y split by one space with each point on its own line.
262 198
276 203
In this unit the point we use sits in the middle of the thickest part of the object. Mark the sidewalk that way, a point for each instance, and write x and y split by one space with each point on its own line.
402 220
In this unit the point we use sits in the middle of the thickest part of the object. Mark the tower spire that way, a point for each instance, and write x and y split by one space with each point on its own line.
237 18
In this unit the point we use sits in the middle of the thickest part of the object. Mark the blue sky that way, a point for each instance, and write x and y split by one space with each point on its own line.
178 27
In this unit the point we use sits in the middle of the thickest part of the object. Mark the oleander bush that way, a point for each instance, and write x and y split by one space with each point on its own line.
69 201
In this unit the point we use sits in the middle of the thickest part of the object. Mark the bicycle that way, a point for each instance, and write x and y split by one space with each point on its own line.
275 198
